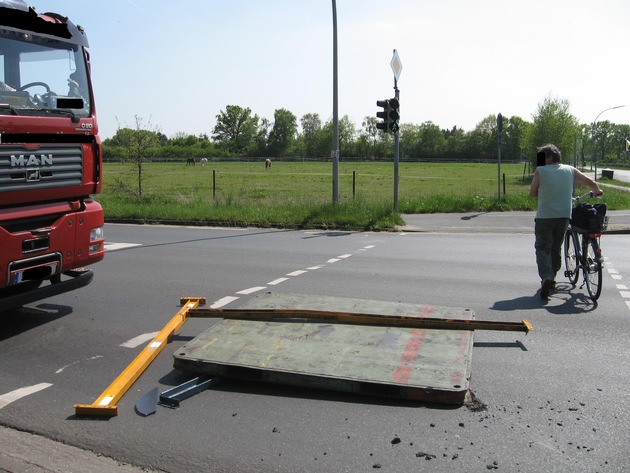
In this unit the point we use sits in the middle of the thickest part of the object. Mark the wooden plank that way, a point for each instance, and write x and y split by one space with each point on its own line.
363 319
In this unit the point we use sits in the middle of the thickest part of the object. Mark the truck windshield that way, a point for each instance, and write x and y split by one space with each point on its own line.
40 76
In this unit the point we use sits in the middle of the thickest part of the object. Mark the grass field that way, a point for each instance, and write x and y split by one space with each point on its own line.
299 195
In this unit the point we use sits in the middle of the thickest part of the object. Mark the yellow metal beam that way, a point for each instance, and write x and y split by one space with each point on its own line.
105 404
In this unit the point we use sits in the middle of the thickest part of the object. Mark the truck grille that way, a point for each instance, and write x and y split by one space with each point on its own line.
43 168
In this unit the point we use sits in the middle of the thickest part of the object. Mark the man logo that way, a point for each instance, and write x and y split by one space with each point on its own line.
33 175
32 160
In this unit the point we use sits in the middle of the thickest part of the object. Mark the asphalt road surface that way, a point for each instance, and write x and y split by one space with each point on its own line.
552 400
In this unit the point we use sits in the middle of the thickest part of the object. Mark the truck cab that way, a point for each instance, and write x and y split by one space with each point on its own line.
51 228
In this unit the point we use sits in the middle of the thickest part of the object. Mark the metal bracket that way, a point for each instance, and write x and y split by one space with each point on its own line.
172 397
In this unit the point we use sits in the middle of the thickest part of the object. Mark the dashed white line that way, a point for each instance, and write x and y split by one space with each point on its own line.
223 301
622 288
139 340
226 300
13 396
251 290
277 281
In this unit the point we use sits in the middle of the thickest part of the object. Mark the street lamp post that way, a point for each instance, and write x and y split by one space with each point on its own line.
593 159
335 150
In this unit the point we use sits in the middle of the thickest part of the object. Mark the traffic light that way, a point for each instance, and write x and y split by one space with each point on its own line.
394 115
384 114
389 114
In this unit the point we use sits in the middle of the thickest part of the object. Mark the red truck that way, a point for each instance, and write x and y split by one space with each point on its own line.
50 157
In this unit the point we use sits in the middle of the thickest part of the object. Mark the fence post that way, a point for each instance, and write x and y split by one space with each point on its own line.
354 183
214 183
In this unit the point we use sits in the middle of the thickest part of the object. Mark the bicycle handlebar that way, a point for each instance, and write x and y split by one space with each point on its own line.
588 194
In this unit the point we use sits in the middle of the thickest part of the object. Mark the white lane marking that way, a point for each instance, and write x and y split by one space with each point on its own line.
119 246
628 304
223 301
622 286
251 290
616 276
277 281
139 340
344 256
612 270
12 396
625 294
313 268
368 247
297 273
332 260
87 359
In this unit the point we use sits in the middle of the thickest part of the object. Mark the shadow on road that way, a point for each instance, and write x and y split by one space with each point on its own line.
561 302
16 321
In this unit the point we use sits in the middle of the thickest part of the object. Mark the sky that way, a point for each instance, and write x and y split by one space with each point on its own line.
177 64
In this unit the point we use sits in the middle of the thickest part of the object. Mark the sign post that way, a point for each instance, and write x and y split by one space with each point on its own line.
397 69
499 143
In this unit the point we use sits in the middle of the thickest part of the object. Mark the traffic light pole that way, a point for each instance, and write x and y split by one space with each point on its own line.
396 150
335 151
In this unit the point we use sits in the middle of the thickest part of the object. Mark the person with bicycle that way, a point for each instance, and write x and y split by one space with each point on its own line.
553 184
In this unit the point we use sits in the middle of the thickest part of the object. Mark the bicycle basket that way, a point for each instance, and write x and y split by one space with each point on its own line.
589 217
601 210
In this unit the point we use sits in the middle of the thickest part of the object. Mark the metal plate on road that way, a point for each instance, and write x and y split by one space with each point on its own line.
428 365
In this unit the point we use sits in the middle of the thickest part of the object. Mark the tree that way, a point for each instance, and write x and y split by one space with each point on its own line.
283 133
553 123
455 143
482 142
370 142
137 144
347 136
515 130
311 125
235 129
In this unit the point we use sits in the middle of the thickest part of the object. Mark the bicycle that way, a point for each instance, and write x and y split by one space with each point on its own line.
584 254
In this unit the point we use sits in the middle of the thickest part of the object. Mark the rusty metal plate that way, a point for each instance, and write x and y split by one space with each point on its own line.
427 365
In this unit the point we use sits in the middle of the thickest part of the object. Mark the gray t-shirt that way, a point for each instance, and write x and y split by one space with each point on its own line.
555 191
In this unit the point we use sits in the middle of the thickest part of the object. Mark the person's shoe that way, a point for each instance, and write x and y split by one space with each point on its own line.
547 284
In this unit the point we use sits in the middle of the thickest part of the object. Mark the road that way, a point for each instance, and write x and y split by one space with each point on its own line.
555 399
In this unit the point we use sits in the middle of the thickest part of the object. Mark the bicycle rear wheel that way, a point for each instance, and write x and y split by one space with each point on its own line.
592 267
572 269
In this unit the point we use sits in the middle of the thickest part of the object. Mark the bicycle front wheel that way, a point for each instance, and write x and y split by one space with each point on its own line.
572 269
592 268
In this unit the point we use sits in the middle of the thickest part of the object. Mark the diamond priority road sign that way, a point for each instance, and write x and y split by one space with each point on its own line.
396 65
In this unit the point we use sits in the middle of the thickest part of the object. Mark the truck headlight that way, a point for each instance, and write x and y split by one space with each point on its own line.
97 234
